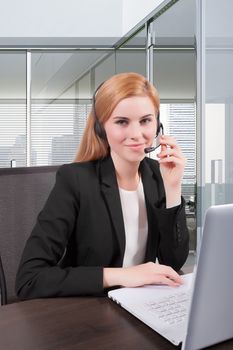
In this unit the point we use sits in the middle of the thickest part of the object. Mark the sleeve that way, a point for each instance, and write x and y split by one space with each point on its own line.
39 273
173 245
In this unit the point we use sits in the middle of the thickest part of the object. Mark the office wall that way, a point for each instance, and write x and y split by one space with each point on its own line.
25 19
25 22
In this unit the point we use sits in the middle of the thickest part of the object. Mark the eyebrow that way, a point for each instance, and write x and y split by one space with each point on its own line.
126 118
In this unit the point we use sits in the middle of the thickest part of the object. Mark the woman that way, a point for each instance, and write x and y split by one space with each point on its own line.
113 211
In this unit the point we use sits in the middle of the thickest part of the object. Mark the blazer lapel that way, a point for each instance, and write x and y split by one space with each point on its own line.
149 186
110 191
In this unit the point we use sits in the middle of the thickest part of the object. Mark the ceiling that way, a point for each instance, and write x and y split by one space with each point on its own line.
54 73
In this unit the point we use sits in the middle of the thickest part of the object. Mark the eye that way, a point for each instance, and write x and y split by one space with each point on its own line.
121 122
146 120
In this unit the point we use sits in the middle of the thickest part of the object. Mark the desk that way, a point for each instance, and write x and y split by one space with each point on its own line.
77 323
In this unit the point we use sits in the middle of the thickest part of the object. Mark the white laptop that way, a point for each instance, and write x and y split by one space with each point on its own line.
200 312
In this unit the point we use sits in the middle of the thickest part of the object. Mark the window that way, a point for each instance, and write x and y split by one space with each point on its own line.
12 108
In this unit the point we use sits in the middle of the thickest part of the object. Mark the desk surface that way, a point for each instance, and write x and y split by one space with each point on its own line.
77 323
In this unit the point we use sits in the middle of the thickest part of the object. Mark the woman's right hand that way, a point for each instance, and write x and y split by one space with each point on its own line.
140 275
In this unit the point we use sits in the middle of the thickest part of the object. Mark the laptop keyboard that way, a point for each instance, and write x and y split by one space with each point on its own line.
172 309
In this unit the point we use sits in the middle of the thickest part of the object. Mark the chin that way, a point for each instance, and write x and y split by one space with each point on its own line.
137 158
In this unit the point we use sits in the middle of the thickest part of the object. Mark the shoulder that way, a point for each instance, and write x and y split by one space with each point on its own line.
76 177
77 167
81 170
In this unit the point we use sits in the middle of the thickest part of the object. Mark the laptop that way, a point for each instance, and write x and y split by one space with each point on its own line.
198 313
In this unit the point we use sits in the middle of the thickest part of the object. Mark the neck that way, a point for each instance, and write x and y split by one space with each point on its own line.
126 172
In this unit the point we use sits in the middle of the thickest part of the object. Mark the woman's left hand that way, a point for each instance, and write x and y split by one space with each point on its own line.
172 163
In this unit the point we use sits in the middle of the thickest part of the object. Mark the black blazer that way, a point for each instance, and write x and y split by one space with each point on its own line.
81 230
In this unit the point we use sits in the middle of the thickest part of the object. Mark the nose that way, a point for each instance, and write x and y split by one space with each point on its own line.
135 131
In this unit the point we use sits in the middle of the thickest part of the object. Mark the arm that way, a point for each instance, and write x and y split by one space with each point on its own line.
172 163
140 275
39 274
173 245
174 236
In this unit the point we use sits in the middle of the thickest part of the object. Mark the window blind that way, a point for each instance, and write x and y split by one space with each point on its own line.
56 130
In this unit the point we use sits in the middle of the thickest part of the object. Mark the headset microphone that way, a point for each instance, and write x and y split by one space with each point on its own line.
149 149
159 131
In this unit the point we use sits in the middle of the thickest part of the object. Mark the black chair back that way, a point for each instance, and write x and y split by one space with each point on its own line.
3 292
23 192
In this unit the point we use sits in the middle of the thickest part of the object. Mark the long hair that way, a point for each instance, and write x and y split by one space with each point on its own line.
110 93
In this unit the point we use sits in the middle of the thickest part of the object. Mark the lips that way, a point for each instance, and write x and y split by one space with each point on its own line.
136 145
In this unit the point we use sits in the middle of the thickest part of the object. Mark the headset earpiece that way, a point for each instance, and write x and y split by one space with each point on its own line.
98 127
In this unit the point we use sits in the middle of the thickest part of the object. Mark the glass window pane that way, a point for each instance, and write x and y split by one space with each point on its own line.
62 88
175 74
131 56
12 108
179 120
218 161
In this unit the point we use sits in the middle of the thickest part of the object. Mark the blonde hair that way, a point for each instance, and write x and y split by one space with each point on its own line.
110 93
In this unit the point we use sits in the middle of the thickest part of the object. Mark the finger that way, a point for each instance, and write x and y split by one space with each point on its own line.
170 152
171 159
169 141
163 146
168 138
167 281
170 273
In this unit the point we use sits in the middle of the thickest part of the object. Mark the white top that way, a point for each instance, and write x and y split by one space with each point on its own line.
136 227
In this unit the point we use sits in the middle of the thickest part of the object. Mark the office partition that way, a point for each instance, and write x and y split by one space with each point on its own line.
214 104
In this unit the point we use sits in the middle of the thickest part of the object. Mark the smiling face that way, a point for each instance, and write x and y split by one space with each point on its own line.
131 128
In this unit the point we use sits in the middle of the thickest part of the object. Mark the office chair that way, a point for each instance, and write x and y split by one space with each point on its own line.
23 194
2 285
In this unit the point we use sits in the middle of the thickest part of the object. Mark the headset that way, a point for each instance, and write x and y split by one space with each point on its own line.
100 131
98 127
